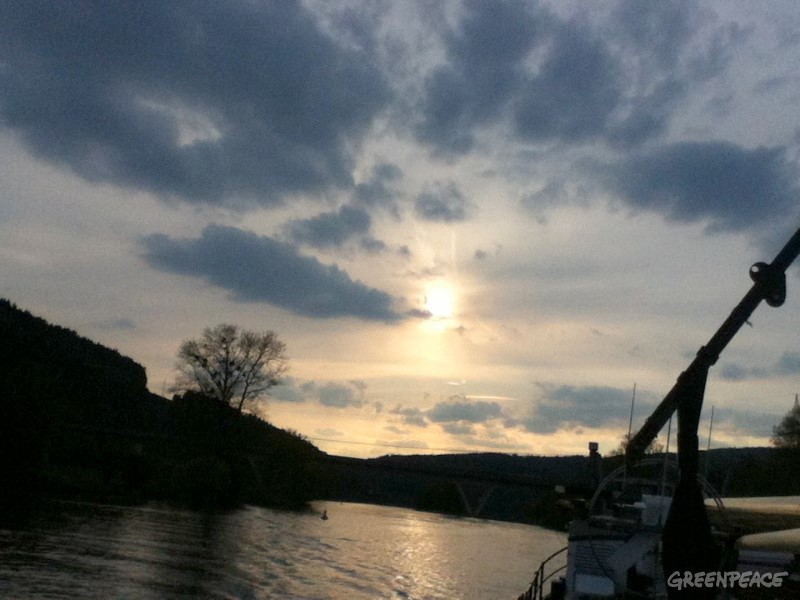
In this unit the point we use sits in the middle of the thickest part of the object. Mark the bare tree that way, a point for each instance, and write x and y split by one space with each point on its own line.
233 365
786 434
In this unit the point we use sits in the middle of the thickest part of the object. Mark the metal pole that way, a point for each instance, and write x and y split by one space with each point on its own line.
630 420
708 446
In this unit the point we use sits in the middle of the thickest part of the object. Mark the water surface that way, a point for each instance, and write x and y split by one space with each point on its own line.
362 552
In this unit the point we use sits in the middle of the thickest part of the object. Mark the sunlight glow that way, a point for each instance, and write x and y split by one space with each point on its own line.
440 302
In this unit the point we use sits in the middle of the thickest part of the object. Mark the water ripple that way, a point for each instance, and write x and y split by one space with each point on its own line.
361 553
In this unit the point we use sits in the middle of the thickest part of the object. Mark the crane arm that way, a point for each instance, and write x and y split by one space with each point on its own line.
769 284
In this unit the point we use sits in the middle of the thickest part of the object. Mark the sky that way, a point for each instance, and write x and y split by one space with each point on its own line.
477 226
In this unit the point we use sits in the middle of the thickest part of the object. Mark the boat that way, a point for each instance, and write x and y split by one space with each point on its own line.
615 551
648 533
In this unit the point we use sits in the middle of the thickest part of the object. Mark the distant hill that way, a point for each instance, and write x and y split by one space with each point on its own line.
571 471
527 488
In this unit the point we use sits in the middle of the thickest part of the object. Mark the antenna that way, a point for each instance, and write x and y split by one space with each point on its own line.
630 420
666 461
708 446
628 439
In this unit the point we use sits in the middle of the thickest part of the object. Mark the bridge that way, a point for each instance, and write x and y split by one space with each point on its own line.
477 491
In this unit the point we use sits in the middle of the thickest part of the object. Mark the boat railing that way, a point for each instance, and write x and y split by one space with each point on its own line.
544 573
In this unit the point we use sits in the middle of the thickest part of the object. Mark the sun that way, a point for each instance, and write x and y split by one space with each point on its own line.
440 301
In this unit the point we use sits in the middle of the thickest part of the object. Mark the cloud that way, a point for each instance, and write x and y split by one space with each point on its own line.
329 433
379 190
221 101
736 372
458 415
460 408
337 395
751 423
121 323
372 245
570 407
256 268
458 428
410 416
664 59
787 364
289 390
659 31
442 204
330 229
330 394
486 56
549 78
574 93
730 187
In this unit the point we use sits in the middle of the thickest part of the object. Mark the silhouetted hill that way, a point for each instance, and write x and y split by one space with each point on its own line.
78 381
76 419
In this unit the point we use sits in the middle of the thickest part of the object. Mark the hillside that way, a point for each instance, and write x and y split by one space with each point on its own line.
77 420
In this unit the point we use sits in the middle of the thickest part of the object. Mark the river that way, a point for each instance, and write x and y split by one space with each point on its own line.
75 550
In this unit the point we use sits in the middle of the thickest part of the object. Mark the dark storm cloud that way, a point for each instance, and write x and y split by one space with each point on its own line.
330 229
255 268
570 407
730 187
210 101
442 204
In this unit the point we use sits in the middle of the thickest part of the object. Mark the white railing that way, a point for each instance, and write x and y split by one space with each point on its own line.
536 589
